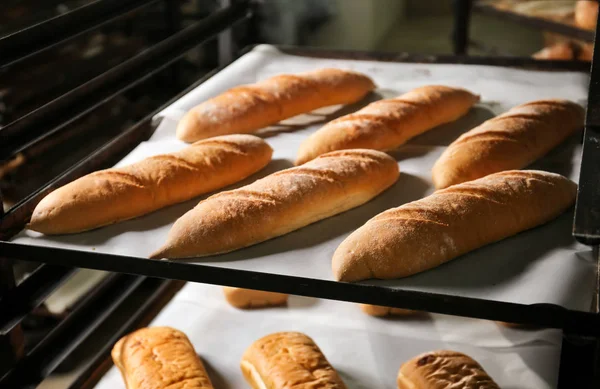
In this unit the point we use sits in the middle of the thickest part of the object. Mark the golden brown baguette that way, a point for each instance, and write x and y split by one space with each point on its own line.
280 203
250 298
157 358
512 140
286 360
560 51
426 233
586 14
249 108
444 370
387 124
380 311
118 194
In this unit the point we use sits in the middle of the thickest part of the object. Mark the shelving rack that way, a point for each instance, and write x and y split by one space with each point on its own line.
581 346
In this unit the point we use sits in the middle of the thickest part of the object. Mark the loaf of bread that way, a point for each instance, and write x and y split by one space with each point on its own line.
586 14
380 311
158 358
586 52
249 108
562 51
387 124
250 298
512 140
287 360
424 234
280 203
118 194
444 369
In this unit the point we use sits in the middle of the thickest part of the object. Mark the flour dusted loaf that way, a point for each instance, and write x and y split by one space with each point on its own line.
378 310
113 195
444 370
287 360
280 203
250 298
426 233
249 108
158 358
387 124
512 140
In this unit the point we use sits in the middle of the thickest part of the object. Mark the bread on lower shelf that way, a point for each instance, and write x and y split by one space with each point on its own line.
113 195
380 311
250 298
288 359
248 108
280 203
157 358
443 369
426 233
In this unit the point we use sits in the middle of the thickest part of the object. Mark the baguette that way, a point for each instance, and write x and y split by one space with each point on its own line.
586 14
512 140
114 195
380 311
249 298
387 124
562 51
429 232
157 358
280 203
287 360
444 369
249 108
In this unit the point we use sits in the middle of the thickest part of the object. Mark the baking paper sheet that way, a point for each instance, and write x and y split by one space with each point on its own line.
366 351
544 265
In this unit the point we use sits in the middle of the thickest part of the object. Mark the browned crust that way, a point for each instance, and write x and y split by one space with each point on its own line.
250 298
248 108
380 311
158 358
118 194
426 233
287 360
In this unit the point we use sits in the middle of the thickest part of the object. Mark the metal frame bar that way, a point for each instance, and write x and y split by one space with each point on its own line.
55 31
462 21
63 339
19 133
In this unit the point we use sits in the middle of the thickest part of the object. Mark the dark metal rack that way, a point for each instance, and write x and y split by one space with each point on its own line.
582 329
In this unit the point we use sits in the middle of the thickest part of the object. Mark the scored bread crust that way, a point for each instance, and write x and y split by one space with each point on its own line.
109 196
250 298
248 108
288 360
424 234
387 124
280 203
380 311
157 358
509 141
444 370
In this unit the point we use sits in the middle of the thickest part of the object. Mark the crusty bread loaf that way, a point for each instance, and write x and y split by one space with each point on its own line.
586 14
387 124
287 360
118 194
250 298
444 370
562 51
512 140
426 233
586 52
158 358
280 203
249 108
378 310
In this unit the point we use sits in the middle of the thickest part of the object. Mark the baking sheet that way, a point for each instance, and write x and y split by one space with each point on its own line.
544 265
366 351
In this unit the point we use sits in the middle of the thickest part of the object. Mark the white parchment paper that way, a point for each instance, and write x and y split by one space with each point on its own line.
366 351
544 265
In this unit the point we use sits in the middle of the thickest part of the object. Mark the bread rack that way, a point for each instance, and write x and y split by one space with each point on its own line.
581 329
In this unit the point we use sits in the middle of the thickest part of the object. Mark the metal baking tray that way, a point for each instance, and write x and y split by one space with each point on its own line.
545 315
